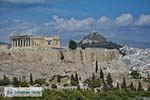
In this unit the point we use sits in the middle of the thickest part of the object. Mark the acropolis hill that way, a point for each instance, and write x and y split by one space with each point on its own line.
48 62
29 54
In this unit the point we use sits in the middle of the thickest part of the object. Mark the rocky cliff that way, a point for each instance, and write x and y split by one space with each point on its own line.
46 63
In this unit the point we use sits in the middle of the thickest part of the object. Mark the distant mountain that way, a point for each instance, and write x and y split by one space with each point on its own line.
132 43
3 43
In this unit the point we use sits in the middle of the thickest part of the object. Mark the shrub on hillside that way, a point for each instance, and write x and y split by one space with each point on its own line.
24 84
40 81
72 45
54 86
93 83
5 81
135 74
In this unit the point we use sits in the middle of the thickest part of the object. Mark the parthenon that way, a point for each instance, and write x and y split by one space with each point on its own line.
25 41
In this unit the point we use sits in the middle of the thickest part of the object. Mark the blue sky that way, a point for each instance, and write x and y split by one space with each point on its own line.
72 19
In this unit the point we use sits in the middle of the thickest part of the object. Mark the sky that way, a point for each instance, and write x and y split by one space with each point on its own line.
72 19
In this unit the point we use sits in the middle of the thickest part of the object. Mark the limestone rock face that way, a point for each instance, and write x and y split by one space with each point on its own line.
44 63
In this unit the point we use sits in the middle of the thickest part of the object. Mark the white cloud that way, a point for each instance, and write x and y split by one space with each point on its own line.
26 1
124 19
32 31
104 20
72 24
61 25
144 20
16 26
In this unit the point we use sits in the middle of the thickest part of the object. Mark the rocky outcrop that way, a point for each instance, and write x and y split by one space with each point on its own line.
49 62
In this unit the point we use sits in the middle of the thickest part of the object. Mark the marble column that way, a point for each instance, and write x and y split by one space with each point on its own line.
17 42
31 43
14 41
12 44
22 42
28 42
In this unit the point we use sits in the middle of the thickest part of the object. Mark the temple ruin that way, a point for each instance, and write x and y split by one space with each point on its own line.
29 41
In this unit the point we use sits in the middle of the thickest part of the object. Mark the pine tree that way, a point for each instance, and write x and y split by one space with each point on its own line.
4 77
74 80
15 82
76 76
109 80
96 66
101 75
58 79
131 86
118 87
139 87
124 86
31 79
148 89
5 80
93 76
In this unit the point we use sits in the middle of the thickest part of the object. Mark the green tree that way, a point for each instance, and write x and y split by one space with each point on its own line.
93 76
4 77
139 87
135 74
131 86
96 66
31 79
58 78
5 81
72 45
82 46
124 85
15 82
24 84
109 80
93 83
74 80
118 86
40 81
101 75
148 88
54 86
